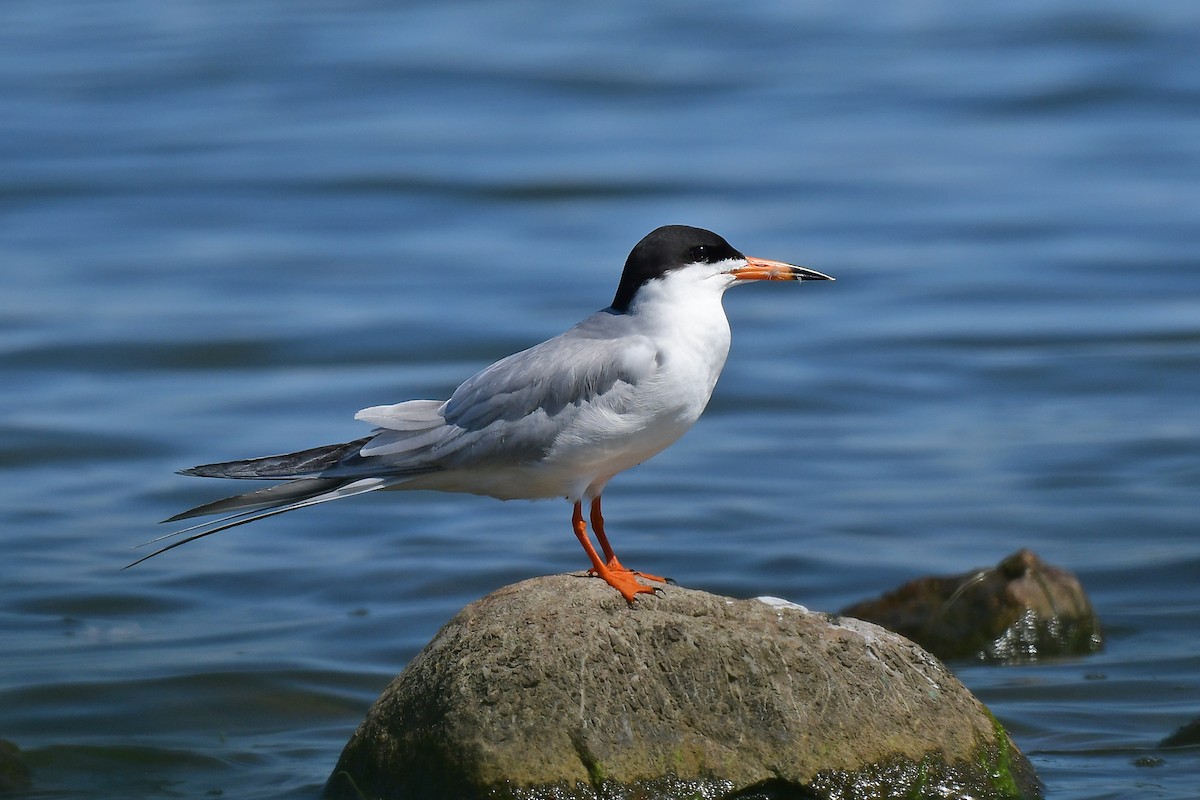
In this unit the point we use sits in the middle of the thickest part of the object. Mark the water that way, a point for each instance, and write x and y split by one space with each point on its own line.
225 228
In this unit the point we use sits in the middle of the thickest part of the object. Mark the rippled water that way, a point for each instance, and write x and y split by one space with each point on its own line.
225 228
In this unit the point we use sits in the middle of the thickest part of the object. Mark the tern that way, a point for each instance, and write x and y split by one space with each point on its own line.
557 420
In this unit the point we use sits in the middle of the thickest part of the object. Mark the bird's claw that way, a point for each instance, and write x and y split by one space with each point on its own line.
624 581
616 566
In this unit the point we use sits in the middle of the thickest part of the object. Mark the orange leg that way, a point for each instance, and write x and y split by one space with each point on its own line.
623 580
609 556
598 528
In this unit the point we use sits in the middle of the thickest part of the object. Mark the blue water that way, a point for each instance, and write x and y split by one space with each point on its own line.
226 227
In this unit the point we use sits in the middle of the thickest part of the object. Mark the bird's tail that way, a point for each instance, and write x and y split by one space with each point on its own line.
312 477
335 460
264 503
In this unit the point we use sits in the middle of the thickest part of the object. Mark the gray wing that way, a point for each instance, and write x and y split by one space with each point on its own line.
516 408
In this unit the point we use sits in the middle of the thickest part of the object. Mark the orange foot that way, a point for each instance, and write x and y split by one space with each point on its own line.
624 581
616 566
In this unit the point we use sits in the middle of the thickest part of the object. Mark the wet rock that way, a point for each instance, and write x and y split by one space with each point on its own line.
1019 610
14 772
1187 736
555 687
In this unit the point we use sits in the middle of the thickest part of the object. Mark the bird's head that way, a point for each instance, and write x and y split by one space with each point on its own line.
699 255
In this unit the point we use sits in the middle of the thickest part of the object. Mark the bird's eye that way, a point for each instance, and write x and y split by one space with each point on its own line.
700 254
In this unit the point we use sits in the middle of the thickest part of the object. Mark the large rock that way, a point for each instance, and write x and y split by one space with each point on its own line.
555 687
1022 609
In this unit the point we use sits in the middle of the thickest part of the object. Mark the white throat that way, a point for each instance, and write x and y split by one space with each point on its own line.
682 313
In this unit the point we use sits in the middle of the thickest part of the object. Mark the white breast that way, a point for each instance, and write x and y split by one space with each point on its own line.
681 315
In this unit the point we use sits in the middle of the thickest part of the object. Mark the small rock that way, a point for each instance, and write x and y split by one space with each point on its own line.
1186 736
555 687
1019 610
14 772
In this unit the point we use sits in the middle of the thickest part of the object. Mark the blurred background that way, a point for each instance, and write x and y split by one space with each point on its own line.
225 227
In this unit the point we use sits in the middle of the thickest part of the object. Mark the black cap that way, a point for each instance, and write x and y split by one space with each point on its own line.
664 249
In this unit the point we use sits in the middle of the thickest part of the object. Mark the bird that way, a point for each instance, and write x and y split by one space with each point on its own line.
557 420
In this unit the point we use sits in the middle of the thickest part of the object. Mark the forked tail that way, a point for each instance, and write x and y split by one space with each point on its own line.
264 503
312 477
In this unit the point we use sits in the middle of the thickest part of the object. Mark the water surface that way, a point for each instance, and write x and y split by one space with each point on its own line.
224 229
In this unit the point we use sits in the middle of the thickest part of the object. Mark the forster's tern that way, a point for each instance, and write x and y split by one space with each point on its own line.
557 420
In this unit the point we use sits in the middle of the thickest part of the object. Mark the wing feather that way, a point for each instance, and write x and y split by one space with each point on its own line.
573 369
516 409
